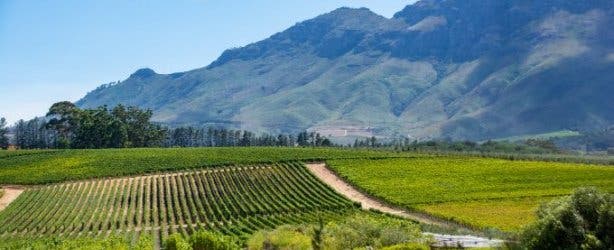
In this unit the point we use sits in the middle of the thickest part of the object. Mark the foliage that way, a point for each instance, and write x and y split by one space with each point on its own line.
375 231
103 128
206 240
233 200
581 221
407 246
284 237
176 242
63 118
4 140
534 146
49 166
34 133
599 140
354 231
84 243
222 137
200 240
66 126
424 183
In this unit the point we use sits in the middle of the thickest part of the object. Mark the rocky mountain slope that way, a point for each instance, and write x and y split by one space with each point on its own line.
464 69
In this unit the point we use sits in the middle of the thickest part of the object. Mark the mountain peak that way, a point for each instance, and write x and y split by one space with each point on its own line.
143 73
350 11
465 69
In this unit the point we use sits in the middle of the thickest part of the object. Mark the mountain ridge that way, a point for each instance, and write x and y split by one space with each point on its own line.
439 68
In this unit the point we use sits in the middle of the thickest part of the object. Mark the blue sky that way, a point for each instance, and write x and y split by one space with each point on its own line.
59 50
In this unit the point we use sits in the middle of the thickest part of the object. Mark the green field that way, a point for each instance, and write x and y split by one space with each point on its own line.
131 193
232 200
477 191
51 166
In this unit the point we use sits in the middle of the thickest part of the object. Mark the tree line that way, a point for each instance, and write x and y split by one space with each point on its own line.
222 137
530 146
68 126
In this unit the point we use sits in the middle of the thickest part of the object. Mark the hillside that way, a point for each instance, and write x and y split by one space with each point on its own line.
464 69
235 201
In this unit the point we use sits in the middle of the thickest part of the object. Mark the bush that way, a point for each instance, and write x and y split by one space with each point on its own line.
408 246
375 231
176 242
284 237
201 240
582 221
205 240
356 231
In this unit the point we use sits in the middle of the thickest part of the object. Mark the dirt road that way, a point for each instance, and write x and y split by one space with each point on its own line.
10 194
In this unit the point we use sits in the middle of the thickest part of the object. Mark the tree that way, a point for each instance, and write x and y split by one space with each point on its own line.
316 239
4 140
581 221
64 118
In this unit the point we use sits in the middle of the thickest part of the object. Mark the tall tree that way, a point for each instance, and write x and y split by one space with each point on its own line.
64 118
4 140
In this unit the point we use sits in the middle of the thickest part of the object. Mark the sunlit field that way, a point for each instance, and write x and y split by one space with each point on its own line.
480 192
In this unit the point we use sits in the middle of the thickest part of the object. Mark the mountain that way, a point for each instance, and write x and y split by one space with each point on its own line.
463 69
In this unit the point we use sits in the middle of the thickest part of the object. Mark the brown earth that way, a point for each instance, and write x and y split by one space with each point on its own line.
10 194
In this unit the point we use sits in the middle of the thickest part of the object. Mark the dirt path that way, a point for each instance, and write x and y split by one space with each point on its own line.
329 177
10 194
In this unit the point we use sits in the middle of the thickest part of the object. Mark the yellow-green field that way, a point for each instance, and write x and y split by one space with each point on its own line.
502 214
480 192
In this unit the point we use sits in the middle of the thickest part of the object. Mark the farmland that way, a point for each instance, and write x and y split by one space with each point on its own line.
51 166
480 192
149 194
232 200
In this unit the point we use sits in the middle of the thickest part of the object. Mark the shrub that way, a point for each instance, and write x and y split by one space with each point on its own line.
206 240
176 242
357 231
284 237
375 231
407 246
582 221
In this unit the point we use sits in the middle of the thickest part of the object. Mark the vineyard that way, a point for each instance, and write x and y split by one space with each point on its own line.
481 192
53 166
232 200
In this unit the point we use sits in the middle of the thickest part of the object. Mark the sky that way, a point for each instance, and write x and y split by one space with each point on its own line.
59 50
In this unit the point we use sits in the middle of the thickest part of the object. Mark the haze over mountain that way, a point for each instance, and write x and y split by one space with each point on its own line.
464 69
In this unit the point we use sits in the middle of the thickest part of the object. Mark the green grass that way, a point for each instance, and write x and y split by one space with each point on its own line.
50 166
503 214
431 183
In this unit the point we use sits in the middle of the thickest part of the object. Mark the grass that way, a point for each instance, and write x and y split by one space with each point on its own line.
481 192
502 214
51 166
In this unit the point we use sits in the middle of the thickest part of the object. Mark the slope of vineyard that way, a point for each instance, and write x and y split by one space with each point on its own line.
480 192
232 200
26 167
